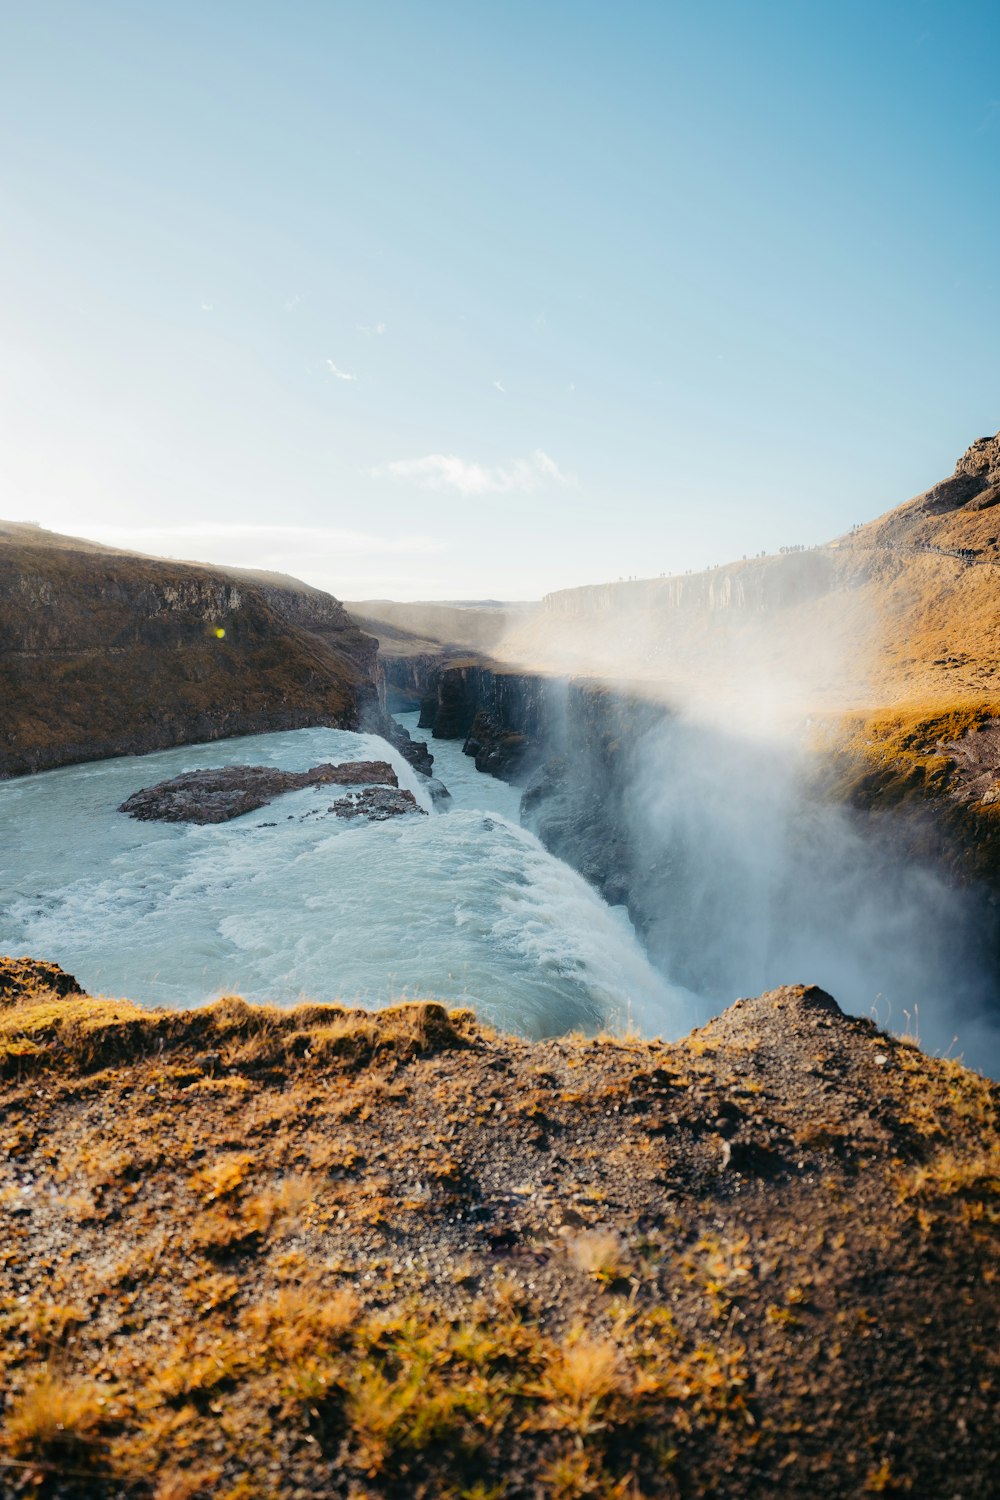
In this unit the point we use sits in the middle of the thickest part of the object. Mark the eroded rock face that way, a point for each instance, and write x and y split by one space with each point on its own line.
414 752
216 796
975 483
104 653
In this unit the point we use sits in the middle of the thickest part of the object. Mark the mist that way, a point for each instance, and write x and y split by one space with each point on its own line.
751 880
744 871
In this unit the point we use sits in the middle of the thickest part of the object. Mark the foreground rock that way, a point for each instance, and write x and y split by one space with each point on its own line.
216 796
322 1252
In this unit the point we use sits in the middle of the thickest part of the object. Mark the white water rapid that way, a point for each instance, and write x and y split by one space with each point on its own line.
463 906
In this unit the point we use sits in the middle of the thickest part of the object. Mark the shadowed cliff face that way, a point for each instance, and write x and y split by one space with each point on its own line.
103 653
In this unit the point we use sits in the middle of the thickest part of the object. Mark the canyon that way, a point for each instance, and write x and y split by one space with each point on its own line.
515 1241
662 734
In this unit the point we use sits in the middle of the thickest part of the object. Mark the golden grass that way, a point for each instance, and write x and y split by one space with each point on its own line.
55 1417
580 1375
893 754
221 1178
44 1031
601 1253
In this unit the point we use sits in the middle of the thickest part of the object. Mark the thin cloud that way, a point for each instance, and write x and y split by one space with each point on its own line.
371 328
292 303
499 387
208 307
339 374
447 471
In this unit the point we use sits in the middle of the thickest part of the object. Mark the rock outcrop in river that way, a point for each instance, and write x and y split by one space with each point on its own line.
216 796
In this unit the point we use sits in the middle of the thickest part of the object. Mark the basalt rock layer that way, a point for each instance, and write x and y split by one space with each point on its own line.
326 1253
570 743
106 653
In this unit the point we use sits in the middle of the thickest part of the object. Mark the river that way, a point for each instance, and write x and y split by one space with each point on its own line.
290 902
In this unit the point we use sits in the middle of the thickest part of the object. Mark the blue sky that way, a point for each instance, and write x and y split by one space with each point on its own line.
443 300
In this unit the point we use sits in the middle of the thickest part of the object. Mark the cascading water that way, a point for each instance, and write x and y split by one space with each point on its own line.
289 902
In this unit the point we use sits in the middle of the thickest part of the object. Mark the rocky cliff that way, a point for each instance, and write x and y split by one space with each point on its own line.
107 653
476 625
902 609
499 714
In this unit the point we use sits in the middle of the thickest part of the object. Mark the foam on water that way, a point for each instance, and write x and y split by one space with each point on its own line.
464 906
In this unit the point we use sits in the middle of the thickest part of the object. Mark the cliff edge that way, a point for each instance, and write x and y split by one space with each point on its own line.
322 1252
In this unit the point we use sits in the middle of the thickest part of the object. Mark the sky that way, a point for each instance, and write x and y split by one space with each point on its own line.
458 299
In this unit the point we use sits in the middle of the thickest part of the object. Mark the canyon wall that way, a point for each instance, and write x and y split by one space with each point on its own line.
106 653
474 626
568 742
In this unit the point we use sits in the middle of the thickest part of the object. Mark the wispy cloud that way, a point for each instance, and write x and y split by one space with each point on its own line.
292 303
446 471
338 373
208 307
371 328
499 387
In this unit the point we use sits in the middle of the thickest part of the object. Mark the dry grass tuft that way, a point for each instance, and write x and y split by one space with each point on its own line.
301 1320
55 1417
602 1254
221 1178
581 1375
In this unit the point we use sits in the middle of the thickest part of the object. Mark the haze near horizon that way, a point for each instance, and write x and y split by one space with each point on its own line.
452 302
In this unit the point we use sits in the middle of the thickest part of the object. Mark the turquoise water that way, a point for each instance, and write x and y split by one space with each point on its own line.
462 905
